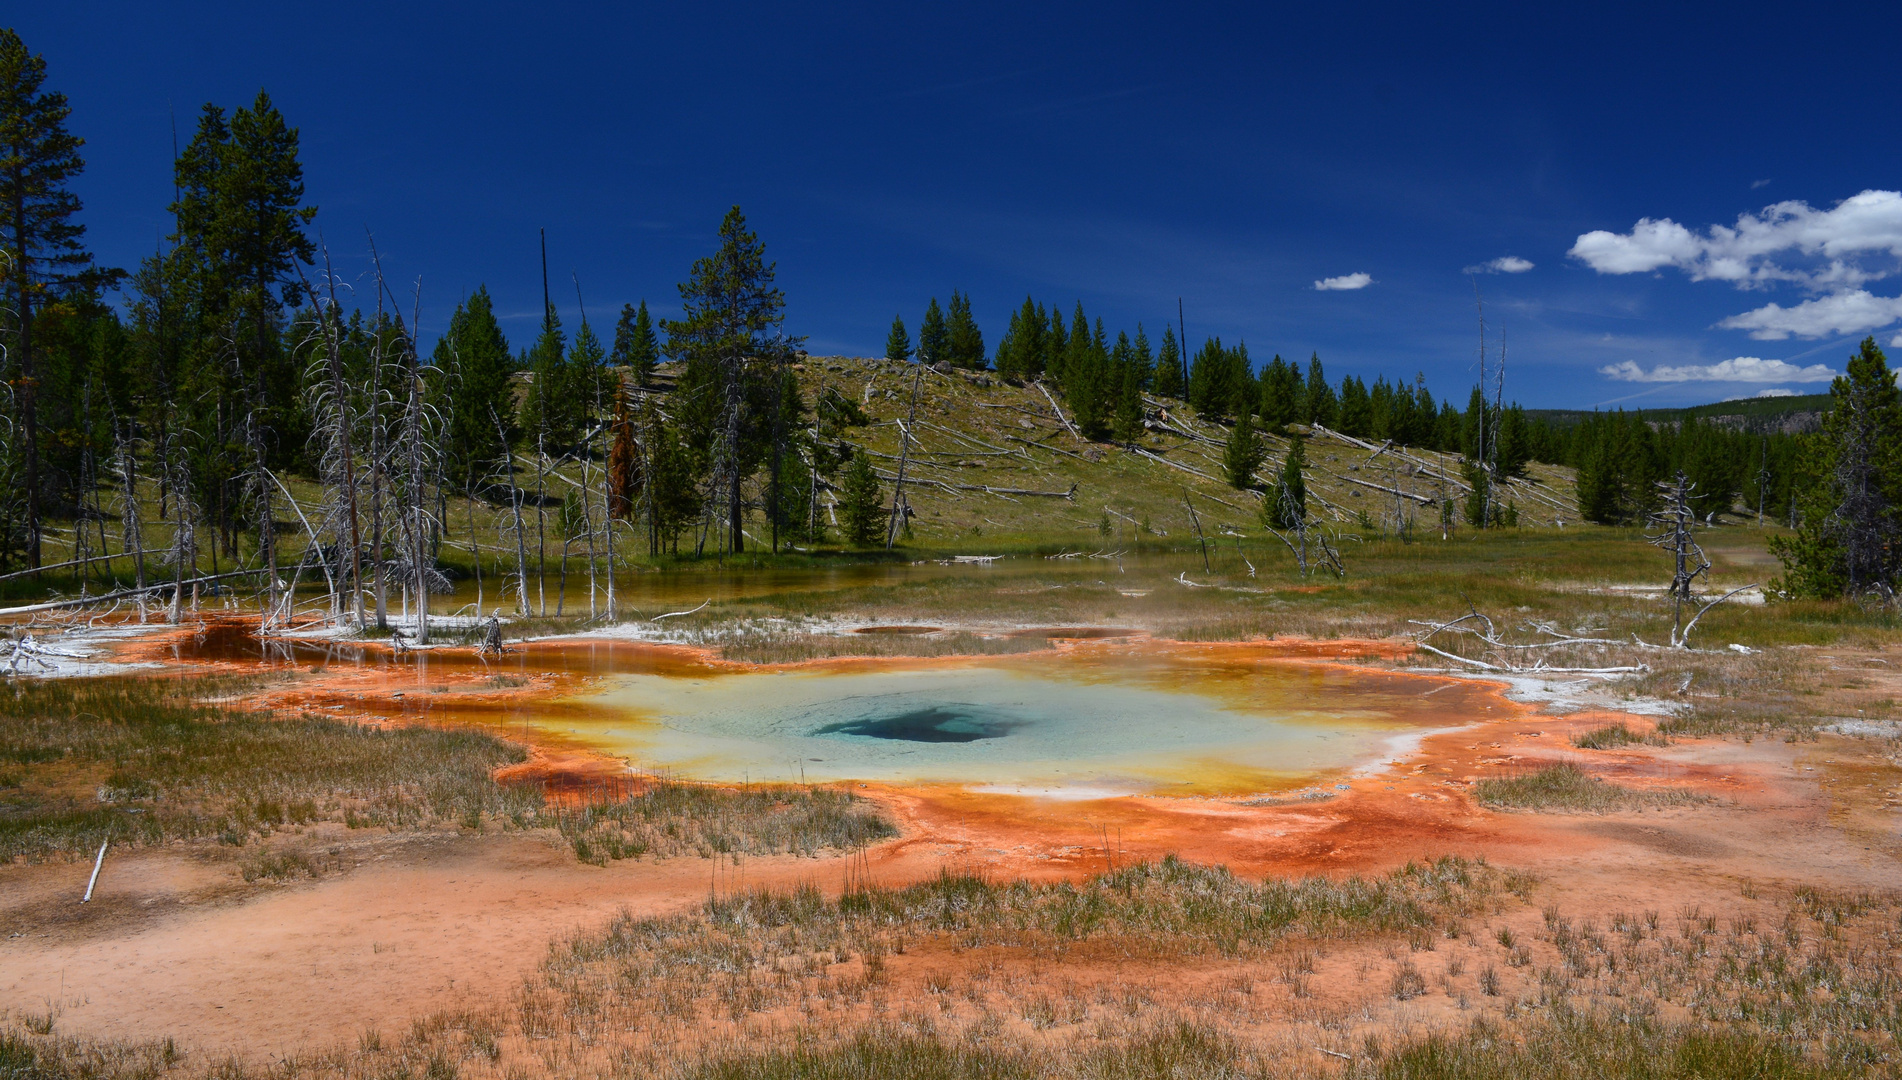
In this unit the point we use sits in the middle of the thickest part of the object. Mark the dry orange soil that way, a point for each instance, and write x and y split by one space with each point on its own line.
175 944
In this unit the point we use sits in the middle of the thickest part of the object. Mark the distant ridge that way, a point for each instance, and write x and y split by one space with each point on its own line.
1791 415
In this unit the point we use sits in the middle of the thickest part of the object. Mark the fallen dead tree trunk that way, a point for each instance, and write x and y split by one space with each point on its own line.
122 594
982 488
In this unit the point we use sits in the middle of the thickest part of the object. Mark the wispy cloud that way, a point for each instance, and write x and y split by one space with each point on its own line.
1756 250
1505 264
1344 283
1847 312
1754 185
1777 391
1744 369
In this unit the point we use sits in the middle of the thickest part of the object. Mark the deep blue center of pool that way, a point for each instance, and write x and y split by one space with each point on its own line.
936 724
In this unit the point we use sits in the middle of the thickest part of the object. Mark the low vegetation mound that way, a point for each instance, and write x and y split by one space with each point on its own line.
1566 788
144 761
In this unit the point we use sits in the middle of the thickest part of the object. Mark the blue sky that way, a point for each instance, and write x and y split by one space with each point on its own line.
1238 157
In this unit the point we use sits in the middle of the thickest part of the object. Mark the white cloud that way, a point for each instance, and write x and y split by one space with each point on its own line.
1896 342
1344 282
1751 253
1755 184
1777 391
1745 369
1505 264
1838 313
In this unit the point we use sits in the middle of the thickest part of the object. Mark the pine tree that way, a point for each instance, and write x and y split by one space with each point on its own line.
40 241
1287 505
934 338
731 318
546 408
1169 382
964 343
898 342
1849 541
1056 344
475 356
1242 454
1318 396
861 505
1129 406
1144 359
1356 409
1281 397
635 345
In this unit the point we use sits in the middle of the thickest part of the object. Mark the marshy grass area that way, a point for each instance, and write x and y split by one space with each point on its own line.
141 761
1439 970
1566 788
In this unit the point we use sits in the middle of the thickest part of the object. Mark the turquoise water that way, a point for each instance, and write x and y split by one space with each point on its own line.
1144 721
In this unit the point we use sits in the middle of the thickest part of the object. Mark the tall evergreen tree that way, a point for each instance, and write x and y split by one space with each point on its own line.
549 414
42 258
861 505
1056 344
1356 409
635 345
1242 454
1317 396
475 357
732 315
964 343
1169 381
1849 541
1281 397
898 342
1144 359
934 338
1020 355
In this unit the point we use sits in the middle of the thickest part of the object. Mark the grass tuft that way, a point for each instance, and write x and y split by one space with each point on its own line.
1566 788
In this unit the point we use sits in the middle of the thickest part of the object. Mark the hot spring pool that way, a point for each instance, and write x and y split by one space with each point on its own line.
1157 721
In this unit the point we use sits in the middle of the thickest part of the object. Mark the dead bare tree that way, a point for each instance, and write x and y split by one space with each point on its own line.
515 505
1672 525
899 506
330 402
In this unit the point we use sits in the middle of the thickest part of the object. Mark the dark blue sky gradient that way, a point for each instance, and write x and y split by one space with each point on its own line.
1122 156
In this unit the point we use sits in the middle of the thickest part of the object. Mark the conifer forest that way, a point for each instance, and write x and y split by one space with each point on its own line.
398 680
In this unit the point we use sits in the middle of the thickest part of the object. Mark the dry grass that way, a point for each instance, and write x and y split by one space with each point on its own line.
1802 986
147 761
1566 788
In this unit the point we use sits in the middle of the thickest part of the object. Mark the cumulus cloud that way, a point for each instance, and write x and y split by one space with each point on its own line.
1758 249
1850 312
1745 369
1505 264
1777 391
1344 282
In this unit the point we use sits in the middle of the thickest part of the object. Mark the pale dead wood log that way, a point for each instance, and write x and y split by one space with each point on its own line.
689 611
1065 421
1421 499
1046 446
1686 635
56 605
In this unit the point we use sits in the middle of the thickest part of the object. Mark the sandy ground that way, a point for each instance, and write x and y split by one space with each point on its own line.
175 944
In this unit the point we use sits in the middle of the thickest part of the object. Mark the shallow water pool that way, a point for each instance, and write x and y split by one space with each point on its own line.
1081 725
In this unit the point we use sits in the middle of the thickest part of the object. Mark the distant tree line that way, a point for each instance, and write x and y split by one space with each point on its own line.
240 355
